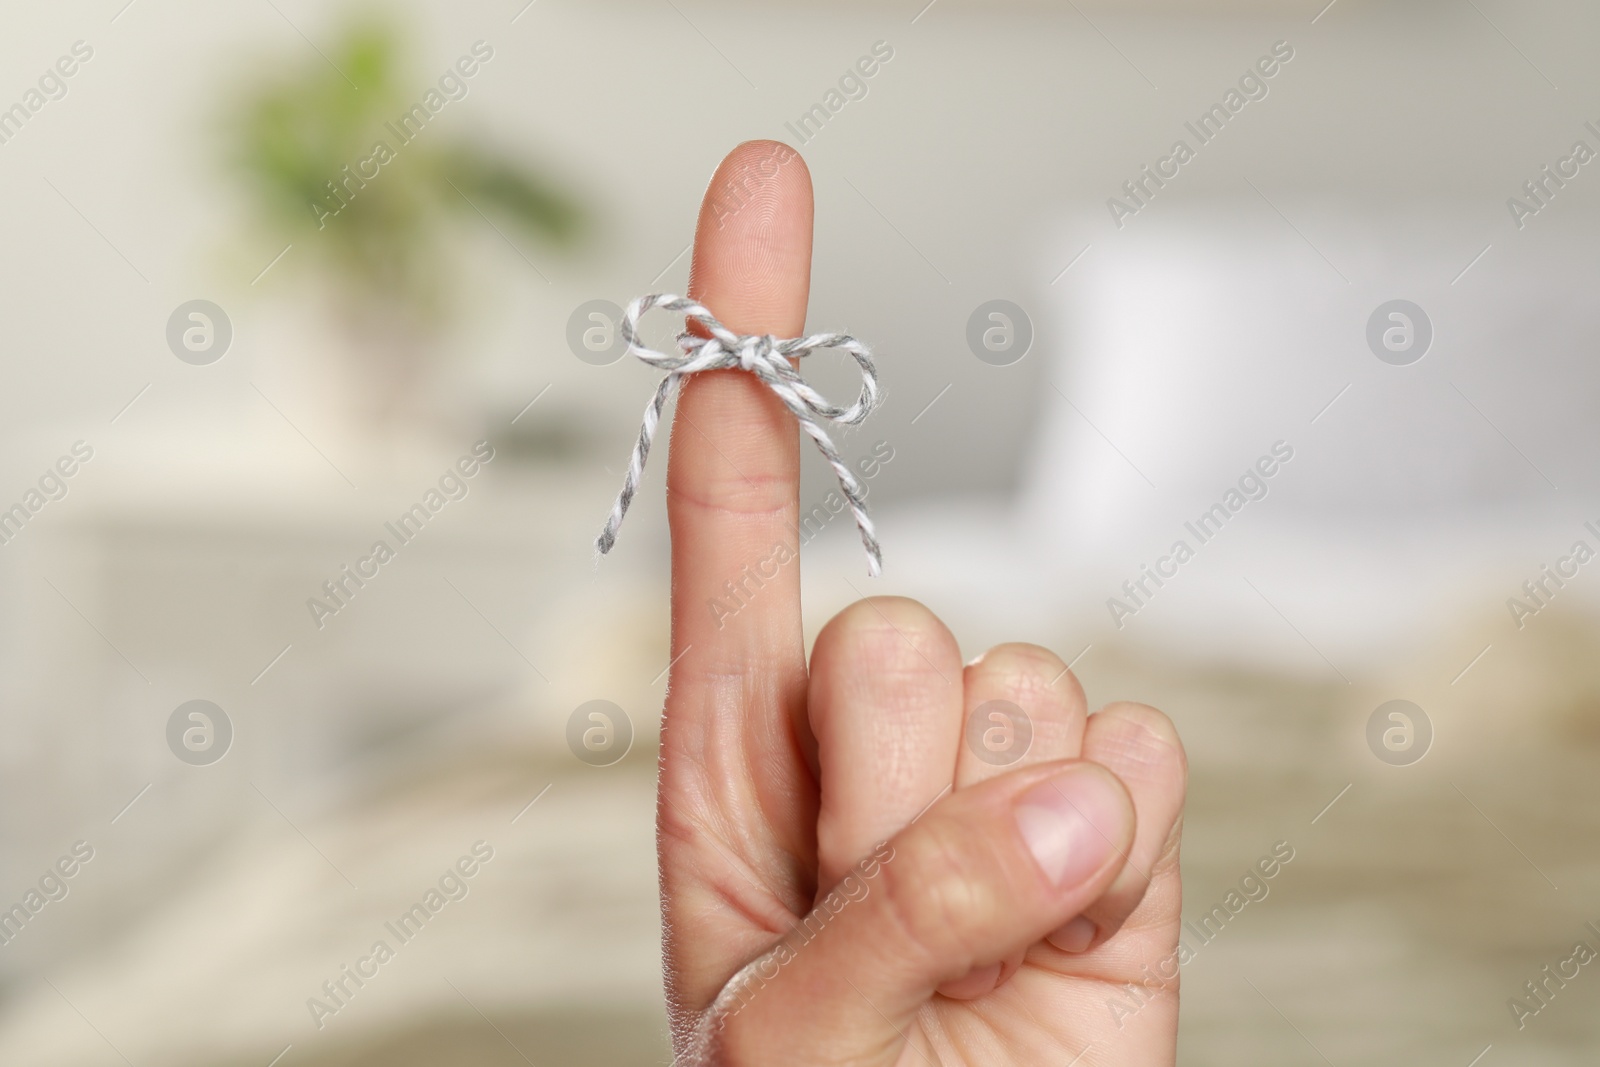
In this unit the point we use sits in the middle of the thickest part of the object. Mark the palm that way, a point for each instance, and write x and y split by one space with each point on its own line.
779 781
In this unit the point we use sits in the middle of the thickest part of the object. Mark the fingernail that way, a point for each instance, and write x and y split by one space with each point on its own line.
1070 823
1075 936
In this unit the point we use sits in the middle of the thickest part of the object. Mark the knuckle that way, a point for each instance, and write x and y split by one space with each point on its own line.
1031 674
889 612
898 634
731 495
1019 657
1143 737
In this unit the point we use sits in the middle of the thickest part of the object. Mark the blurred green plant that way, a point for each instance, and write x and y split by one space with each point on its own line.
328 165
293 136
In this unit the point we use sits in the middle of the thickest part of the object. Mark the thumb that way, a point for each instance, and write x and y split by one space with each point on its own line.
982 875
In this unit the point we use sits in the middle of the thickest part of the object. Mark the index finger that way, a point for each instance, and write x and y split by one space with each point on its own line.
734 473
737 818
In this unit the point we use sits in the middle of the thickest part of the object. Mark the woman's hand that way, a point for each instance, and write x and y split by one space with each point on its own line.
844 880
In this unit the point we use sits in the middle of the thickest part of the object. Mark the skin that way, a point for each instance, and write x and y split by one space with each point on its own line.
952 943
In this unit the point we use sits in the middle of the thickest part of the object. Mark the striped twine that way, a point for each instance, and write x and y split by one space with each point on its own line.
768 359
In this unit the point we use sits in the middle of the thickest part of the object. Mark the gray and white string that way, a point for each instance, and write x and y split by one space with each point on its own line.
768 359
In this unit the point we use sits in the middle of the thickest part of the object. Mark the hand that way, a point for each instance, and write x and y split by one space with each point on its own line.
978 914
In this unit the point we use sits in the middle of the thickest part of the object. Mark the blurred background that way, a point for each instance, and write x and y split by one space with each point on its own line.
240 343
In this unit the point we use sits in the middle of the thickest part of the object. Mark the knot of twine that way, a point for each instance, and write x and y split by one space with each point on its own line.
767 358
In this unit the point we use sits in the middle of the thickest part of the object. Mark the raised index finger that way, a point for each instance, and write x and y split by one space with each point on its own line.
734 474
737 816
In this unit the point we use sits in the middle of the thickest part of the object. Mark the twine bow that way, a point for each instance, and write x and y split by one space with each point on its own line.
768 359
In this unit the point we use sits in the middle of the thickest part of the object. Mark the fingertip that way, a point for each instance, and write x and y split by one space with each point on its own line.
895 614
888 637
1138 741
752 256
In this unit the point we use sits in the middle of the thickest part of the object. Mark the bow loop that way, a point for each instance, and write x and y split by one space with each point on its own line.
768 359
